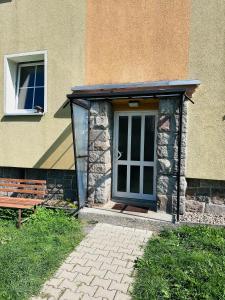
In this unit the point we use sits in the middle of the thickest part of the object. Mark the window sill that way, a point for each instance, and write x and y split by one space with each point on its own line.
16 114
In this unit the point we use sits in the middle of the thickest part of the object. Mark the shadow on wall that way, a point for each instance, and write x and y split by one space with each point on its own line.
63 111
60 155
4 1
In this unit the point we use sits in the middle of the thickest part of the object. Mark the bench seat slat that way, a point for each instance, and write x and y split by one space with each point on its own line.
20 200
22 191
23 180
16 205
18 185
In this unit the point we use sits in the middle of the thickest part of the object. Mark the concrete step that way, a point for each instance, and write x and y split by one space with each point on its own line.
155 221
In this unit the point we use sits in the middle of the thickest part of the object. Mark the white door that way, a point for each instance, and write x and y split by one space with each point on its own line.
134 167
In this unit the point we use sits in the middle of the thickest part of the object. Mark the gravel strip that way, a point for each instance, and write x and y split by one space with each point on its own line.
203 218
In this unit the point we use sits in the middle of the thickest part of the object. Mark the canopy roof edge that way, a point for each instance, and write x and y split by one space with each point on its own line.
135 89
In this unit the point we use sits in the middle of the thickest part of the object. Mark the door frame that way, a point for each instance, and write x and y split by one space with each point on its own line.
127 195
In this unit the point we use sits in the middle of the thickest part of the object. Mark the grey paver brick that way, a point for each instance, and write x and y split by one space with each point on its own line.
109 267
78 261
114 276
67 275
81 269
67 284
91 256
119 262
68 267
104 283
115 254
122 296
55 282
50 291
87 289
87 297
125 250
127 279
97 272
105 294
68 295
81 278
119 286
94 264
105 259
122 270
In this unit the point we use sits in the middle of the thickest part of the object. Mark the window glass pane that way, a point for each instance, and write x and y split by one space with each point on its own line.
122 178
123 135
25 98
135 179
27 75
149 138
39 97
136 138
40 76
148 180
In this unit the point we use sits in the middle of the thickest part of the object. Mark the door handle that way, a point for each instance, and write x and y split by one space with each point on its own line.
119 154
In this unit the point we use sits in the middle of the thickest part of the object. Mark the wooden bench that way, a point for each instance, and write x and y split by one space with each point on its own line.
26 187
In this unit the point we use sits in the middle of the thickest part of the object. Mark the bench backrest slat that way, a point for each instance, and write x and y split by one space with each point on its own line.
17 185
23 186
23 180
22 191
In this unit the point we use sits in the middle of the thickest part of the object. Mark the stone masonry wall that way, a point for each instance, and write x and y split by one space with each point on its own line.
205 196
167 155
61 184
100 147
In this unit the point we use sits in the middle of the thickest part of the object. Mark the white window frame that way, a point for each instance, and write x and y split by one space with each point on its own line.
20 66
11 81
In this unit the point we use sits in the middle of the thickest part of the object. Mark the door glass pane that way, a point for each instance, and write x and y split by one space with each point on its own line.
122 178
25 98
148 180
149 138
80 119
123 136
136 138
135 179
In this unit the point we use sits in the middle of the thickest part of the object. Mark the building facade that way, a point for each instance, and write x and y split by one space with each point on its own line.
150 53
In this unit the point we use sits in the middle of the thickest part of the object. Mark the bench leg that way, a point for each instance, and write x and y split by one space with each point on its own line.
19 218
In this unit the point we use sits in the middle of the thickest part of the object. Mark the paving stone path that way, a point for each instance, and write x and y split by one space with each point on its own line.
100 267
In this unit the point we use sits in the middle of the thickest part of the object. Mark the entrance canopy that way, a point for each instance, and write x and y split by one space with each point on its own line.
140 89
81 100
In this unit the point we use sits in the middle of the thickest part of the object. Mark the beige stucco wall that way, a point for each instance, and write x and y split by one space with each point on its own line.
206 124
136 40
58 27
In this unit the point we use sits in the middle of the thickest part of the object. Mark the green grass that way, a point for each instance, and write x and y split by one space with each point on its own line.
184 264
29 256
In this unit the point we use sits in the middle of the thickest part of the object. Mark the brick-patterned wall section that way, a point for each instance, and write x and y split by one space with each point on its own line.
100 146
205 196
167 155
61 184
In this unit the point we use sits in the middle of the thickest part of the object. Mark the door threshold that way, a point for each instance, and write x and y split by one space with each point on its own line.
148 204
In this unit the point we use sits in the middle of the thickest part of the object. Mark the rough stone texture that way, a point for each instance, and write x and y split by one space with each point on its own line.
61 184
210 194
100 267
100 162
167 155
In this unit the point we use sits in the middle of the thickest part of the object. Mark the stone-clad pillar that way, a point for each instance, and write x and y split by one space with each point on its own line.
100 163
167 155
